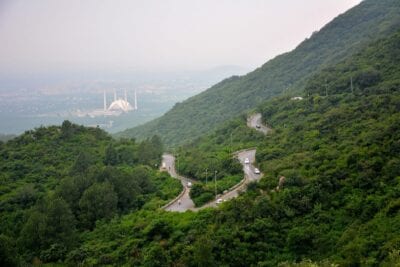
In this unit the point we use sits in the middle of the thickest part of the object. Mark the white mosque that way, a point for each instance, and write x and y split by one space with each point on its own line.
119 104
117 107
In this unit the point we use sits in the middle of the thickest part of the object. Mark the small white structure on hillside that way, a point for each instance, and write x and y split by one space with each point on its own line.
296 98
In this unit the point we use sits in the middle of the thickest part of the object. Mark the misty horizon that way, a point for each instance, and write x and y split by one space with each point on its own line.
64 36
58 55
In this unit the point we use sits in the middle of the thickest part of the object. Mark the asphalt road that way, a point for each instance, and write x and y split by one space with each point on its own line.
255 120
249 176
184 202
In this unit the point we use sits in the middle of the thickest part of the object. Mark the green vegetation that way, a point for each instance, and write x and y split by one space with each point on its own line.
215 153
73 196
339 205
209 159
59 182
344 36
374 70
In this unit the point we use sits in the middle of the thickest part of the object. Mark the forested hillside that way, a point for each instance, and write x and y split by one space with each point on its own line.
344 36
339 203
73 196
58 182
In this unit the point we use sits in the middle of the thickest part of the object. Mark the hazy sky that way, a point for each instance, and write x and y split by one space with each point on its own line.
44 35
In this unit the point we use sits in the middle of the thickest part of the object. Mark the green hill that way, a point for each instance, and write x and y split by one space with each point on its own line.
342 37
340 200
73 196
57 182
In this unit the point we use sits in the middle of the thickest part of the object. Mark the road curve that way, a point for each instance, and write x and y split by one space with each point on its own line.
254 121
249 176
183 202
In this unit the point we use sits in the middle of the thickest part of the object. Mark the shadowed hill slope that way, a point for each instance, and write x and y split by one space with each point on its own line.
342 37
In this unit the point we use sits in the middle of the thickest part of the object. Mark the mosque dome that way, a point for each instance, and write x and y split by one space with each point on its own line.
121 105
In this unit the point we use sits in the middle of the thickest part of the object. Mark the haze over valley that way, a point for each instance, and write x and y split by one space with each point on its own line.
44 99
57 58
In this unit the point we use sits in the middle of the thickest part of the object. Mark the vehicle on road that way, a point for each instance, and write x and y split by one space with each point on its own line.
256 171
219 201
163 166
246 161
189 184
258 126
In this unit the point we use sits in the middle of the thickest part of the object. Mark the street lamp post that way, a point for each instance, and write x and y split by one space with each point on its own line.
231 143
215 183
326 87
177 159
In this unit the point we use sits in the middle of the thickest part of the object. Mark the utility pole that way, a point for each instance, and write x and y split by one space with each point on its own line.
215 183
351 84
206 175
326 87
177 159
231 143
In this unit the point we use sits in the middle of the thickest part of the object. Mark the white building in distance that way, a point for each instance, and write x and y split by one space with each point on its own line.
119 104
116 108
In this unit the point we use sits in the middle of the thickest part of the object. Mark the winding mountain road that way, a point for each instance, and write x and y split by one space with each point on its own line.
254 121
249 176
183 202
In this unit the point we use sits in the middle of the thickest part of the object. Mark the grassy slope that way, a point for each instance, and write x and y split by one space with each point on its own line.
340 38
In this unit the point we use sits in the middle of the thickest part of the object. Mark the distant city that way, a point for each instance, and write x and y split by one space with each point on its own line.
116 108
113 102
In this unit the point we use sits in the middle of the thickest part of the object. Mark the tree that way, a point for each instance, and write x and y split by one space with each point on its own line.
111 155
82 162
50 224
98 201
155 256
127 186
26 195
72 188
60 222
157 145
66 129
203 252
8 255
150 151
141 175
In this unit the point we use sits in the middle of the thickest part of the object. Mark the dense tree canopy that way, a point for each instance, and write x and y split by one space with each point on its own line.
339 203
58 182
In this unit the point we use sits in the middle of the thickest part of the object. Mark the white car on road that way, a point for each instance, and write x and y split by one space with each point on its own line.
256 171
219 201
246 161
189 184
